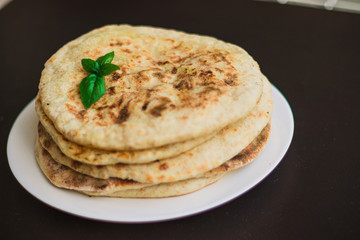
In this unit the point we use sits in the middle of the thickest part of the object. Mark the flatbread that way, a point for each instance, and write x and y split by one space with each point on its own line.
101 157
246 156
171 87
163 189
64 177
209 155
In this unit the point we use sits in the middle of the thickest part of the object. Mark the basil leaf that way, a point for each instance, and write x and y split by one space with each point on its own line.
107 58
90 65
92 88
108 68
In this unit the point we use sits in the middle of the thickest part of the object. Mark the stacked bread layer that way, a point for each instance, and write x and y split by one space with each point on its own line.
191 109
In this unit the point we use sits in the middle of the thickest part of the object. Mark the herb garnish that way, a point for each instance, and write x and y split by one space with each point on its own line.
92 87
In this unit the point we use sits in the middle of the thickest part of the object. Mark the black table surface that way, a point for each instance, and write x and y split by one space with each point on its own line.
311 55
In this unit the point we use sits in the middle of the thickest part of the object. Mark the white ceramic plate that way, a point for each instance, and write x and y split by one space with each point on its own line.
20 150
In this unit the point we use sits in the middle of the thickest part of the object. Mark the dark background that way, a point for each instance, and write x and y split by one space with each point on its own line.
311 55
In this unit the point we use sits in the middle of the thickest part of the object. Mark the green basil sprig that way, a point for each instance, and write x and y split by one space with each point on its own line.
92 87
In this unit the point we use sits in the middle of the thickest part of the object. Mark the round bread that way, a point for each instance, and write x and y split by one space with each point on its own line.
64 177
97 156
163 189
223 146
171 87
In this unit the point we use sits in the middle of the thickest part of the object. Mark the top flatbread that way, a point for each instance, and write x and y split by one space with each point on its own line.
100 157
171 87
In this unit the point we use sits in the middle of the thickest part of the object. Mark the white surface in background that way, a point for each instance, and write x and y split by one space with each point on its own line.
352 6
3 3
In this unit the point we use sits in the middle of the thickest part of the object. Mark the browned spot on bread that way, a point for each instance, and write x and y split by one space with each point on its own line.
184 83
162 63
183 59
207 90
163 166
102 107
115 76
47 143
170 40
219 70
118 43
206 74
159 75
111 90
75 164
80 152
123 115
73 110
231 79
126 50
120 101
174 70
156 111
144 107
141 77
102 187
81 114
178 46
219 57
99 115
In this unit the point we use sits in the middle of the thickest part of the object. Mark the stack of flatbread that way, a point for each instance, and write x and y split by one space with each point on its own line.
182 111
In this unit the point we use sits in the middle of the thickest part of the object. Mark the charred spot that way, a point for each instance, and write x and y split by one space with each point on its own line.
101 107
156 111
47 143
115 76
162 62
112 106
174 70
206 74
116 44
75 164
144 107
158 75
102 187
163 166
230 80
99 166
219 57
140 76
123 115
111 90
172 106
210 89
185 83
120 101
